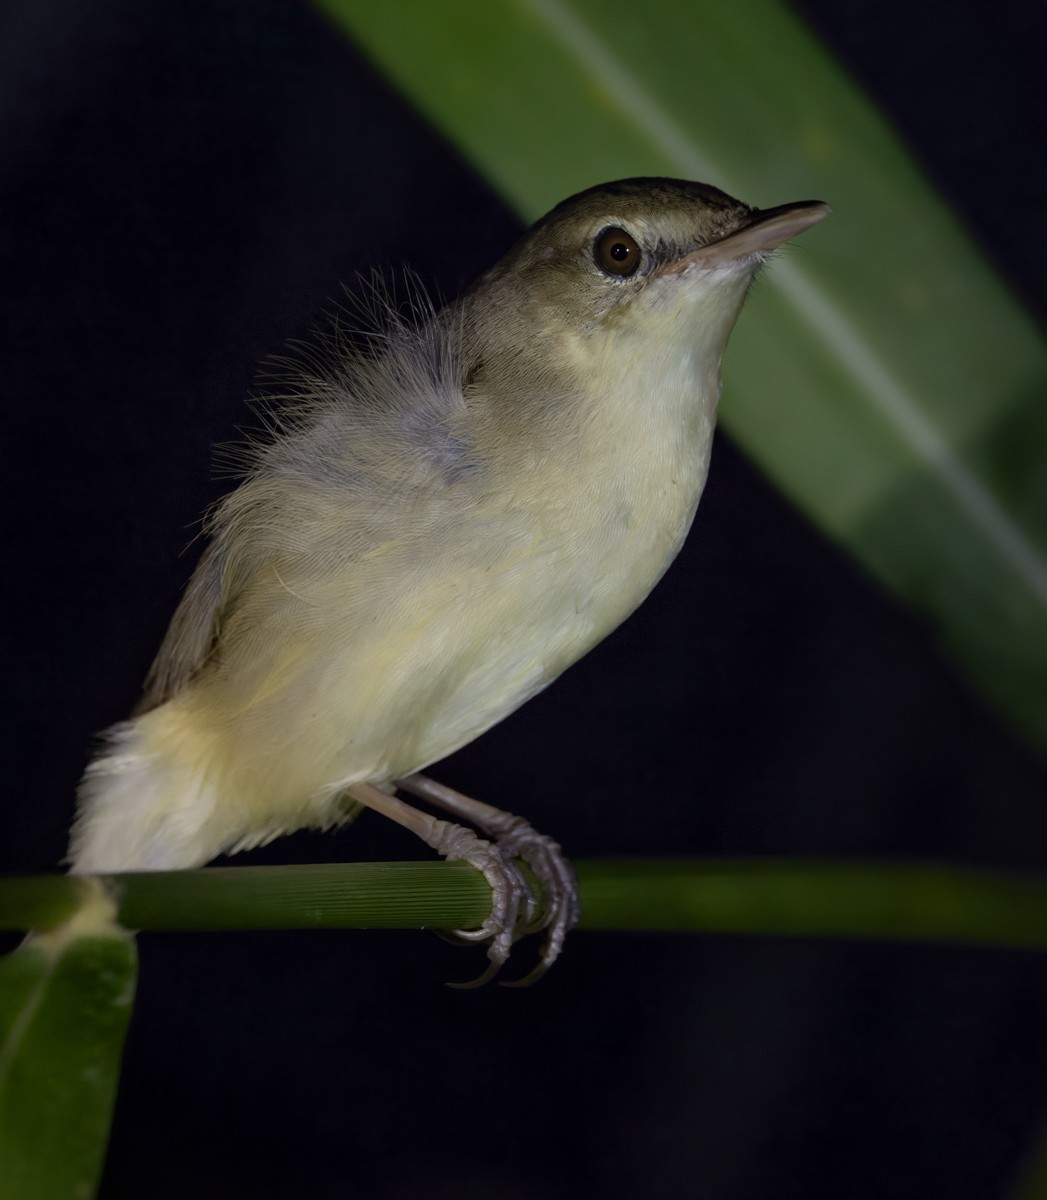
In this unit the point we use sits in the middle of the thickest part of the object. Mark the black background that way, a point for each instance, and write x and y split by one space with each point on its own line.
184 187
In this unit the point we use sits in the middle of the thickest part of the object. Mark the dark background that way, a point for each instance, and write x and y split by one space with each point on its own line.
184 187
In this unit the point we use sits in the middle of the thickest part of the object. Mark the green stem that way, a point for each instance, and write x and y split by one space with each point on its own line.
805 899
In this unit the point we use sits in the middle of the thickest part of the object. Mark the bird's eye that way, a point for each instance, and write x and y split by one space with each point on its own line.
616 252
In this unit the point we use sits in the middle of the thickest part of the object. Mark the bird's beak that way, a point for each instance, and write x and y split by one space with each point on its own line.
766 229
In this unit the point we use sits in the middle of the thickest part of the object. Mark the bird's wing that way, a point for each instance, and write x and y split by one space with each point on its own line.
330 486
272 543
192 633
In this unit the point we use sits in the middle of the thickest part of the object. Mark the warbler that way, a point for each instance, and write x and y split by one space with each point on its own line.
439 525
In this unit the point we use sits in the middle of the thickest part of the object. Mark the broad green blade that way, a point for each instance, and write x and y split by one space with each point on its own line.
882 375
65 1001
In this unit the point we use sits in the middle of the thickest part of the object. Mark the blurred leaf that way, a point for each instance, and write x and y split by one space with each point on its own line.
65 1001
1032 1173
882 375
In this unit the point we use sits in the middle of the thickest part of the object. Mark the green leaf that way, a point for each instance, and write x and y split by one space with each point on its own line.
65 1001
882 375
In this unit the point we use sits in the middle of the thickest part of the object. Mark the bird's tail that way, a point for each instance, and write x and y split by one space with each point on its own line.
145 802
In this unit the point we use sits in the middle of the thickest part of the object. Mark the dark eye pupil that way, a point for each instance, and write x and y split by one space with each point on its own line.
617 253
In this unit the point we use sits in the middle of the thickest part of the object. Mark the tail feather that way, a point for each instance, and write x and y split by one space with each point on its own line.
142 807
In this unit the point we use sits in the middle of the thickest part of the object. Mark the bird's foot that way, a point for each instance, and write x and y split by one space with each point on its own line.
513 905
514 913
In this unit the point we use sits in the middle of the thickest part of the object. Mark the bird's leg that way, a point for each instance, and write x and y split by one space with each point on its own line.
516 838
511 897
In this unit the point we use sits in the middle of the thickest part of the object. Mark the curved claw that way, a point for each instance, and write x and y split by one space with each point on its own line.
531 977
563 915
484 977
468 936
497 953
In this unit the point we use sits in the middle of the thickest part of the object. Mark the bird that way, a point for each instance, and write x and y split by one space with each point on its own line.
437 524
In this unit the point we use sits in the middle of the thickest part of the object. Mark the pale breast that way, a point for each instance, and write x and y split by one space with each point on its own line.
436 634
